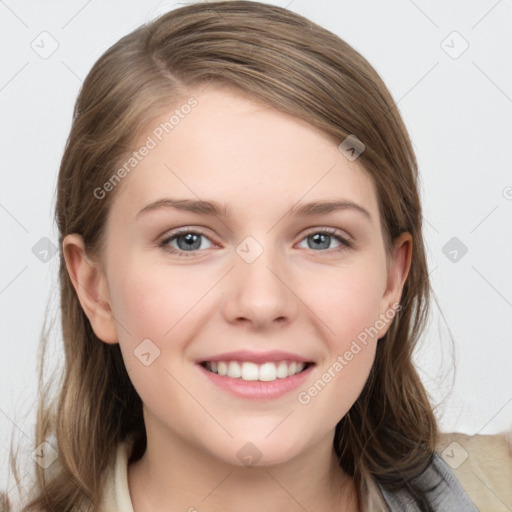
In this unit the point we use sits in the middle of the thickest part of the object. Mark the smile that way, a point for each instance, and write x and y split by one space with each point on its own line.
250 371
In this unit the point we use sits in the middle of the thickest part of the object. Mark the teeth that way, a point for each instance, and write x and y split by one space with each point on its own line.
265 372
234 370
268 372
249 371
222 369
282 370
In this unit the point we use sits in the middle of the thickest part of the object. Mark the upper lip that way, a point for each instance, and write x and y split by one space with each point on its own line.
256 357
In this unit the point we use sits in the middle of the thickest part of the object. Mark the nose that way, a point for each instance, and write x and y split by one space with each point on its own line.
260 293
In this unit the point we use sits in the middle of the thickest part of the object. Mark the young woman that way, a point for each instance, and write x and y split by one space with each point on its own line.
243 280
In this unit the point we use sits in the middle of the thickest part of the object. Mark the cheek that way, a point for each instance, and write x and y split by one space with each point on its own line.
349 313
150 300
151 310
348 301
340 383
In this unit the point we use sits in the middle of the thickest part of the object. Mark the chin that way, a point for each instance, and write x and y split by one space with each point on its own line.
257 451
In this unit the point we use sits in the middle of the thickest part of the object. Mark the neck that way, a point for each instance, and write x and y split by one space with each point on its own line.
173 475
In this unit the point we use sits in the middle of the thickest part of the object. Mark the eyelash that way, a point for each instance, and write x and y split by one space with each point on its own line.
164 244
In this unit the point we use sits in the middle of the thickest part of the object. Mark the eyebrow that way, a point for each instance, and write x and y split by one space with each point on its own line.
189 205
215 209
323 207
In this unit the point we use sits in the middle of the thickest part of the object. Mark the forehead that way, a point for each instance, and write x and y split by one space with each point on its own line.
236 150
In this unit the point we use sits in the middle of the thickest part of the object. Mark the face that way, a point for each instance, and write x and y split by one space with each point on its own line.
245 242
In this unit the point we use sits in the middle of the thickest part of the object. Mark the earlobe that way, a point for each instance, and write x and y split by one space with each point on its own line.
91 288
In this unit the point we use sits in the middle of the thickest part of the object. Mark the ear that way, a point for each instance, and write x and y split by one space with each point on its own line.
91 288
399 264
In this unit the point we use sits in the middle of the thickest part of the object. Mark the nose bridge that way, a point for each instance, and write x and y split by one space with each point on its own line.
258 292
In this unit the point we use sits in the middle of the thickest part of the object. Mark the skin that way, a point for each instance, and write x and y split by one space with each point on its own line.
294 297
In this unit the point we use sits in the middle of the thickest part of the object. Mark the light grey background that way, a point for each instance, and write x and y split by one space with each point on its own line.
457 107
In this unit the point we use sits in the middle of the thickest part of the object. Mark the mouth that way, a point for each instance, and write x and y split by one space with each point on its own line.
250 371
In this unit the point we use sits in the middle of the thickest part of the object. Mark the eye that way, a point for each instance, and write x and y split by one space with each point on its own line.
325 239
186 241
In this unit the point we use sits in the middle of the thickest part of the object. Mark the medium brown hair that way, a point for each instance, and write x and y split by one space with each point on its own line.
298 68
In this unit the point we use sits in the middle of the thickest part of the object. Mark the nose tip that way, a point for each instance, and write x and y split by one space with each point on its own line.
257 294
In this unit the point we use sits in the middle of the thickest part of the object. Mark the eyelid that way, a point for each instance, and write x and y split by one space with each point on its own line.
344 239
183 230
323 229
163 241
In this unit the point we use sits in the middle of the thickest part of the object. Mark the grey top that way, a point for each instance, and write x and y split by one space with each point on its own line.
448 496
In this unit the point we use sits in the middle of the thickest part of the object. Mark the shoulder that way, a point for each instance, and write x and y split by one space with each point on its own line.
442 490
483 466
468 473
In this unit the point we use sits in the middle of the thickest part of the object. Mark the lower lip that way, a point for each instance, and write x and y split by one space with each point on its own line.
256 388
